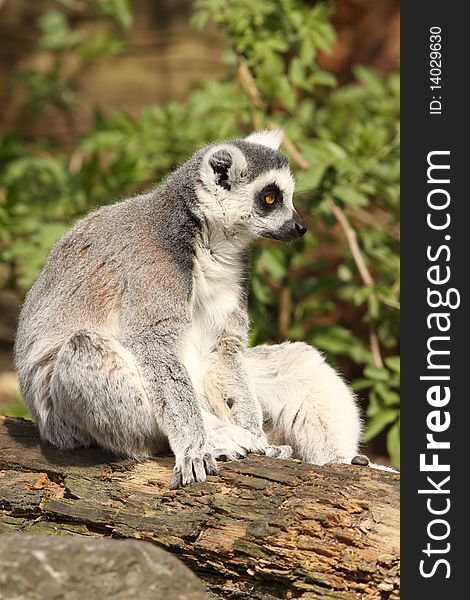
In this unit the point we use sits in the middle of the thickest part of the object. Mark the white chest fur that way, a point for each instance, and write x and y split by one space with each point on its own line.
217 274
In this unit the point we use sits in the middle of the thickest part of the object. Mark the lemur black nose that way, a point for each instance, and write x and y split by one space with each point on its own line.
300 226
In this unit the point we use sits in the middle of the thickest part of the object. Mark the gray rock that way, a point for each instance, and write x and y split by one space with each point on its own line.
79 568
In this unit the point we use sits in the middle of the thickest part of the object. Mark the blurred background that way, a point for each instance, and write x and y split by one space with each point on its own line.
100 98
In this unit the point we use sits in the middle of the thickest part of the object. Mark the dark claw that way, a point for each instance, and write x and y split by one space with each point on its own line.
176 479
361 460
199 470
210 465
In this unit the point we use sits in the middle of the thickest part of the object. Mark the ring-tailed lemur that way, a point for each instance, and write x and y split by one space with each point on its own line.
134 336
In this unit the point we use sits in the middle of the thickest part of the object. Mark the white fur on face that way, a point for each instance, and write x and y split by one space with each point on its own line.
273 220
282 178
234 210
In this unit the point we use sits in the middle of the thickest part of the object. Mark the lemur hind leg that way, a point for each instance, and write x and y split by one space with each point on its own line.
305 403
97 396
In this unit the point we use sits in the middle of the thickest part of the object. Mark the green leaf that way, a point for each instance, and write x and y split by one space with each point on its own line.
378 423
361 384
309 180
297 72
345 273
373 306
56 32
393 444
274 261
338 340
101 45
375 405
323 78
393 363
370 78
118 10
307 52
389 397
14 409
377 373
349 195
260 291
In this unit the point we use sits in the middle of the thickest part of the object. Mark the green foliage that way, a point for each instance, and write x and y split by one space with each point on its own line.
15 409
348 136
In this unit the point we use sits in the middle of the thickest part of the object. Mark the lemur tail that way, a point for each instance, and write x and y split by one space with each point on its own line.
383 468
363 461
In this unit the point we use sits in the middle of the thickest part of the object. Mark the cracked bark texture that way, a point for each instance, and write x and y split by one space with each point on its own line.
264 529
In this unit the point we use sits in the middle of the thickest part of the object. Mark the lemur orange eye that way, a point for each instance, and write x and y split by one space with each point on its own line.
270 198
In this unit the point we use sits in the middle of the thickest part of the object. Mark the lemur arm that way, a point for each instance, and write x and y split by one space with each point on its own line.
235 387
176 409
153 319
230 376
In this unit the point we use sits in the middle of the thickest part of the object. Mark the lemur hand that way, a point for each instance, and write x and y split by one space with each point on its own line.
279 451
232 442
191 466
270 450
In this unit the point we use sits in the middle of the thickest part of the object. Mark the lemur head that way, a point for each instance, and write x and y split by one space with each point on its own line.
246 187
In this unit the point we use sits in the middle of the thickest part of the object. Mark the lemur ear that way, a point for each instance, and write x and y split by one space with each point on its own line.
220 162
272 138
223 166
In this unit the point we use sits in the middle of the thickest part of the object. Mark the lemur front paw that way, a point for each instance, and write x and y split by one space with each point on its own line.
279 451
231 442
191 467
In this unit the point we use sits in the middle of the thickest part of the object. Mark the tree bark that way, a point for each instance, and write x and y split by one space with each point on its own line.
263 529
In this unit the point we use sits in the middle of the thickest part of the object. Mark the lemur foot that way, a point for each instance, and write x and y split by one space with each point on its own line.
231 442
279 451
227 455
363 461
192 467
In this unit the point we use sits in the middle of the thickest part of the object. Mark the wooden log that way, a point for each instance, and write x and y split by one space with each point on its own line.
263 529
